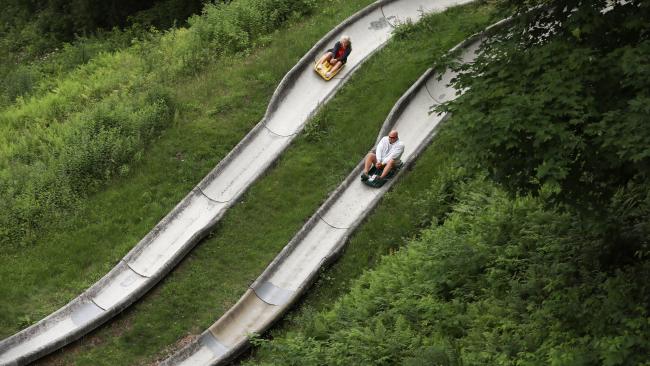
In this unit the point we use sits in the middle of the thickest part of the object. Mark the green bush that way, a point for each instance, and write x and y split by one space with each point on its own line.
567 112
226 29
48 172
20 81
109 136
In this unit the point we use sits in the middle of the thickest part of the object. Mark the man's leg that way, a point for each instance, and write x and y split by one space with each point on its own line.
336 67
387 168
371 159
326 57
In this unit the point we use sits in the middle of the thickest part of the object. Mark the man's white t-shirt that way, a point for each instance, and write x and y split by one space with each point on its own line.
386 151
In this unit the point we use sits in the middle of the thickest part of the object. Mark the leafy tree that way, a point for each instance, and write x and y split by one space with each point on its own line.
64 18
564 107
559 103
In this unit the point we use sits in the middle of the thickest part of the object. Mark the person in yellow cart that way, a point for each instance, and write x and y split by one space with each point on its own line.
337 56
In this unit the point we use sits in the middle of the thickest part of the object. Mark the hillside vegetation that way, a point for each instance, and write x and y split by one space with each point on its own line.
91 124
543 257
216 107
40 39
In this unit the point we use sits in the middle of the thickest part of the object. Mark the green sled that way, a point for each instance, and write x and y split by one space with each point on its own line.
374 174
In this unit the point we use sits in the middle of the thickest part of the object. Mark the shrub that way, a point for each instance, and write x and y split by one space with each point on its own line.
47 173
20 81
226 29
567 110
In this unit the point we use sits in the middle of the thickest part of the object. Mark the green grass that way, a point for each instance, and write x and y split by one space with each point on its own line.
219 107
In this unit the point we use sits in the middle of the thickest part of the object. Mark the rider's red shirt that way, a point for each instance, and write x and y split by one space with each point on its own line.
340 53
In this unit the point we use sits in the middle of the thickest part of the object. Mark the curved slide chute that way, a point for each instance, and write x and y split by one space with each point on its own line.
322 238
298 96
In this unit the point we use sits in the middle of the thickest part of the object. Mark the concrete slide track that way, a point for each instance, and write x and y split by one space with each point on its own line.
298 96
322 238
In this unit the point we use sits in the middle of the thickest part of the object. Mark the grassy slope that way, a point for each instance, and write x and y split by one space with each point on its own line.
212 278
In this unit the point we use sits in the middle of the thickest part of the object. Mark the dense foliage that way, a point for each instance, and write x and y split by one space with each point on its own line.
44 38
503 281
88 125
566 110
544 259
61 19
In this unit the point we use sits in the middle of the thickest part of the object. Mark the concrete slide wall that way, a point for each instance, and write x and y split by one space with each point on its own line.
322 238
299 95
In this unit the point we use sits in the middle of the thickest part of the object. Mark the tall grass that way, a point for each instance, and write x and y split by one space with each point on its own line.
94 122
